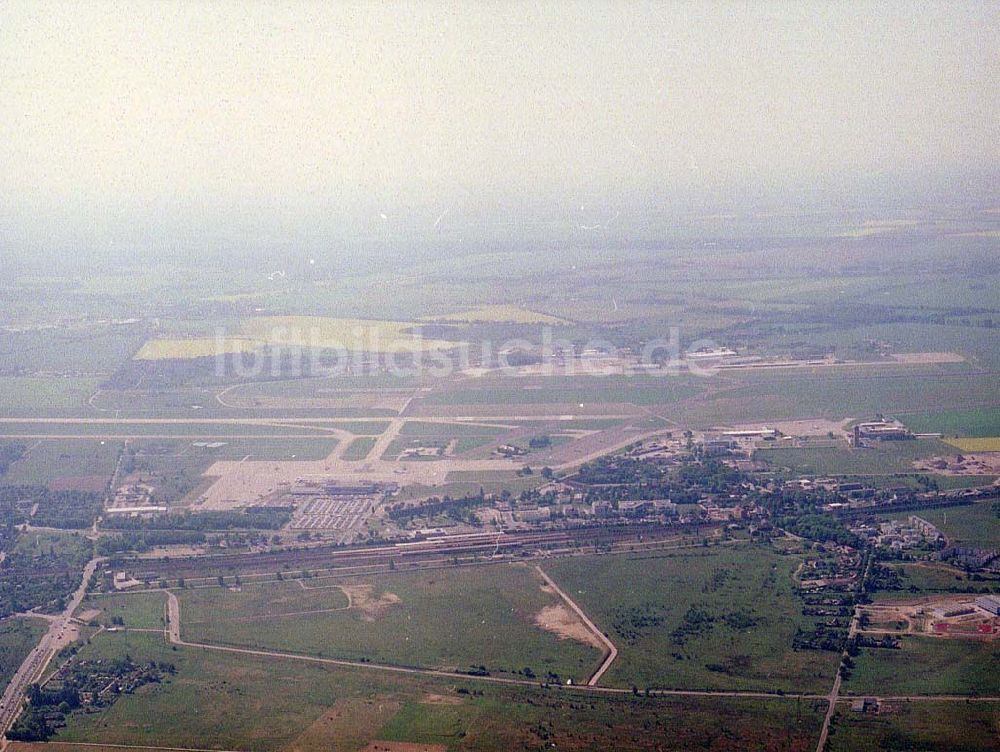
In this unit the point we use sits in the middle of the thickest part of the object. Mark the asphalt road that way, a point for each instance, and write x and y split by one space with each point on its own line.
38 659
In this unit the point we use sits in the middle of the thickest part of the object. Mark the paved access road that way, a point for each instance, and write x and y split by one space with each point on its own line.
39 658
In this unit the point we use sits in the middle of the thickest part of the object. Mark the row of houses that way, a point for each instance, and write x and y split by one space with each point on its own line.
602 510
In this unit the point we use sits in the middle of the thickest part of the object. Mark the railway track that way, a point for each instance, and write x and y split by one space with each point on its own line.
487 545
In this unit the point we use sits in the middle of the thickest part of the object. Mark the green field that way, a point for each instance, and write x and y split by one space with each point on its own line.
887 458
88 349
201 402
452 618
305 388
978 444
926 578
586 390
67 545
468 443
51 459
640 602
18 637
927 666
417 429
136 610
216 701
976 525
43 396
836 393
902 726
973 423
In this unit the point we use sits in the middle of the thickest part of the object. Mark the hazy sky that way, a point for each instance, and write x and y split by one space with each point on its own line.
275 112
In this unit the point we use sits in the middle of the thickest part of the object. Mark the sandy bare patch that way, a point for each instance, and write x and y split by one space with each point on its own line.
566 625
950 617
93 483
380 746
362 598
89 615
926 358
433 699
68 636
977 463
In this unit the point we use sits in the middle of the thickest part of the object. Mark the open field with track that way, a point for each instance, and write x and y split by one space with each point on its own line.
716 618
451 619
320 707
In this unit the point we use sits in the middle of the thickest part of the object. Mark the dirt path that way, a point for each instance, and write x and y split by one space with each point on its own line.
173 635
835 690
611 651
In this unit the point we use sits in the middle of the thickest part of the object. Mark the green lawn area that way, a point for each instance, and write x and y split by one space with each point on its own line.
976 422
359 448
179 429
588 390
837 393
18 637
938 726
467 443
137 610
452 618
316 387
448 431
640 602
200 402
927 666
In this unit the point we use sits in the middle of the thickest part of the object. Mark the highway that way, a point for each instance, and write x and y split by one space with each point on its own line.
37 661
